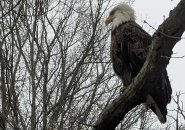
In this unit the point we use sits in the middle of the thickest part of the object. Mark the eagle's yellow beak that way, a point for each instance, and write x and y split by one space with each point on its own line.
109 20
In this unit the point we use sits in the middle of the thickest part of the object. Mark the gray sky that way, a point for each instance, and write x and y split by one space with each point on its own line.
153 11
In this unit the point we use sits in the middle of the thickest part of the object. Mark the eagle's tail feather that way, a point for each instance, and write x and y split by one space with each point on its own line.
156 109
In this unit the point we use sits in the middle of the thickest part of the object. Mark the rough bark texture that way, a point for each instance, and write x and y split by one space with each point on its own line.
164 39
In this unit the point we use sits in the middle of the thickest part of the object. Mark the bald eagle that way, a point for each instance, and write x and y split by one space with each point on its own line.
129 49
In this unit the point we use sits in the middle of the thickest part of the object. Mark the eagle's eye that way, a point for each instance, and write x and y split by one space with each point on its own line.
112 12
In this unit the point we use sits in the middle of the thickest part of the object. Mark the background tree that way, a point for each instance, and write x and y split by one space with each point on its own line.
55 66
55 71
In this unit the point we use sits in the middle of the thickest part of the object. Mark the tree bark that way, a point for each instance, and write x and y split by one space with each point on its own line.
164 39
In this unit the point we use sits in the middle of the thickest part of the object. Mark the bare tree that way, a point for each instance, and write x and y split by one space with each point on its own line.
55 67
177 113
55 71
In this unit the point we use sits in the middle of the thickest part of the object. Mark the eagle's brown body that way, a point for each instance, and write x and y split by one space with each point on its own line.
130 44
129 49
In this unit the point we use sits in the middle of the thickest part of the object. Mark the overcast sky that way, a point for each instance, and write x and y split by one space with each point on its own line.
153 11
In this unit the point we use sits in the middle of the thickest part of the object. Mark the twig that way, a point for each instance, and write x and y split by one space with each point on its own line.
86 124
3 15
162 32
173 57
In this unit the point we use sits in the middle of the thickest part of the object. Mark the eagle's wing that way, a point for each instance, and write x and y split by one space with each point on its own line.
134 50
134 47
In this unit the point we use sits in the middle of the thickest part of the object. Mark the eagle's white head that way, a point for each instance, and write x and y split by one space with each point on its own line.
120 14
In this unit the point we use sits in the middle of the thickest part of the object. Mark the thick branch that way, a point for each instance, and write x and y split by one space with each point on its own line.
162 45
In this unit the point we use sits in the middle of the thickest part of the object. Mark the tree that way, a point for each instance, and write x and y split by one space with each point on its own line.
54 67
55 71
